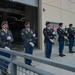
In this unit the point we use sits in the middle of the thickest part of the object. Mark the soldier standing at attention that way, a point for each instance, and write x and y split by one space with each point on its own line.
48 39
28 37
61 38
6 38
71 38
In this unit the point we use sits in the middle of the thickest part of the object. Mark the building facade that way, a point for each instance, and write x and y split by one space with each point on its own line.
37 12
55 11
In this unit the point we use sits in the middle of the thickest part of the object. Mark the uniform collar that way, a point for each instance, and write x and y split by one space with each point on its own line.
71 28
61 28
4 30
48 28
28 29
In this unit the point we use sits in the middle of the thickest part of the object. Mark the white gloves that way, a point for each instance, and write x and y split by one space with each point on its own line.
34 35
65 37
32 44
53 33
9 38
66 31
7 48
52 40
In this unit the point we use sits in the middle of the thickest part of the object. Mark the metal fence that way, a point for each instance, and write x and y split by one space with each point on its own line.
20 68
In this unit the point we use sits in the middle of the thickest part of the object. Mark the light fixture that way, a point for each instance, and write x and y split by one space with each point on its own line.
44 9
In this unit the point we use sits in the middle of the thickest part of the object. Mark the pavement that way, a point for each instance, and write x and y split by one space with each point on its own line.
68 59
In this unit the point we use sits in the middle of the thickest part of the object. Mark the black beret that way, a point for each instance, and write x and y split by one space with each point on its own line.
26 23
4 22
60 24
47 23
70 24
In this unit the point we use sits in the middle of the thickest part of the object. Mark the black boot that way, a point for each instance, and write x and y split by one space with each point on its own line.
70 51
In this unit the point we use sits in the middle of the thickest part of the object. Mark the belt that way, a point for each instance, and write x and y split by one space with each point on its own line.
30 39
50 36
5 42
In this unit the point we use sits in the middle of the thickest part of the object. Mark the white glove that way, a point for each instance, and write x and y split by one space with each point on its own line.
7 48
34 35
52 40
9 38
66 31
32 44
53 33
65 37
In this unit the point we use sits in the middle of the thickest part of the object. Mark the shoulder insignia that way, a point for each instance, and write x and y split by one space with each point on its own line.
2 33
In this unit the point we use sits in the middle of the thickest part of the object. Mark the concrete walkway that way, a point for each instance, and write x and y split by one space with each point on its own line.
69 58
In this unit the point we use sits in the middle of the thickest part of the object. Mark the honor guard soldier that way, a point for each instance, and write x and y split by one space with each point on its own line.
61 38
48 39
6 38
71 38
28 37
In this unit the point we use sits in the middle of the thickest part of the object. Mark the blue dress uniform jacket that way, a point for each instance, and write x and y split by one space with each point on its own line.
71 33
27 37
48 34
61 34
3 38
3 43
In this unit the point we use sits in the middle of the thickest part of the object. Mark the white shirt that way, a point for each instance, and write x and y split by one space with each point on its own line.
28 29
5 30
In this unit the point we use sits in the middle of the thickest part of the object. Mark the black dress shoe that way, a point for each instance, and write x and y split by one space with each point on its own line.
71 52
63 55
60 55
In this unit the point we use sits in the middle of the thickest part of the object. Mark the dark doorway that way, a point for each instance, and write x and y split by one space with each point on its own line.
16 19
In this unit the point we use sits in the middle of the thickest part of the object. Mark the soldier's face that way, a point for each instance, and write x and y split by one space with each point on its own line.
28 26
71 27
5 26
48 25
61 26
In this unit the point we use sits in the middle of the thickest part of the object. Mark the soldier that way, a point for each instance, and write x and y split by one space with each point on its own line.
48 39
71 38
6 38
61 38
28 37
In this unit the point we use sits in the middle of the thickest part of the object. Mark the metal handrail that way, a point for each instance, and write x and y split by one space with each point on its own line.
21 64
51 62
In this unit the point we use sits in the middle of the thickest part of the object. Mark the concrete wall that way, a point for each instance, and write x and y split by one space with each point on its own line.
56 11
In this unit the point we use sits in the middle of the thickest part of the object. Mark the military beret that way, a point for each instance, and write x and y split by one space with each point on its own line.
26 23
60 24
47 23
70 24
4 22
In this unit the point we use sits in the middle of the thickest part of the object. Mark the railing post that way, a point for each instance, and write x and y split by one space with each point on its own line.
13 67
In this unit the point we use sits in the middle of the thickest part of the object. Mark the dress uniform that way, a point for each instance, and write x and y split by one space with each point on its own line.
48 39
71 38
6 38
61 38
28 37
